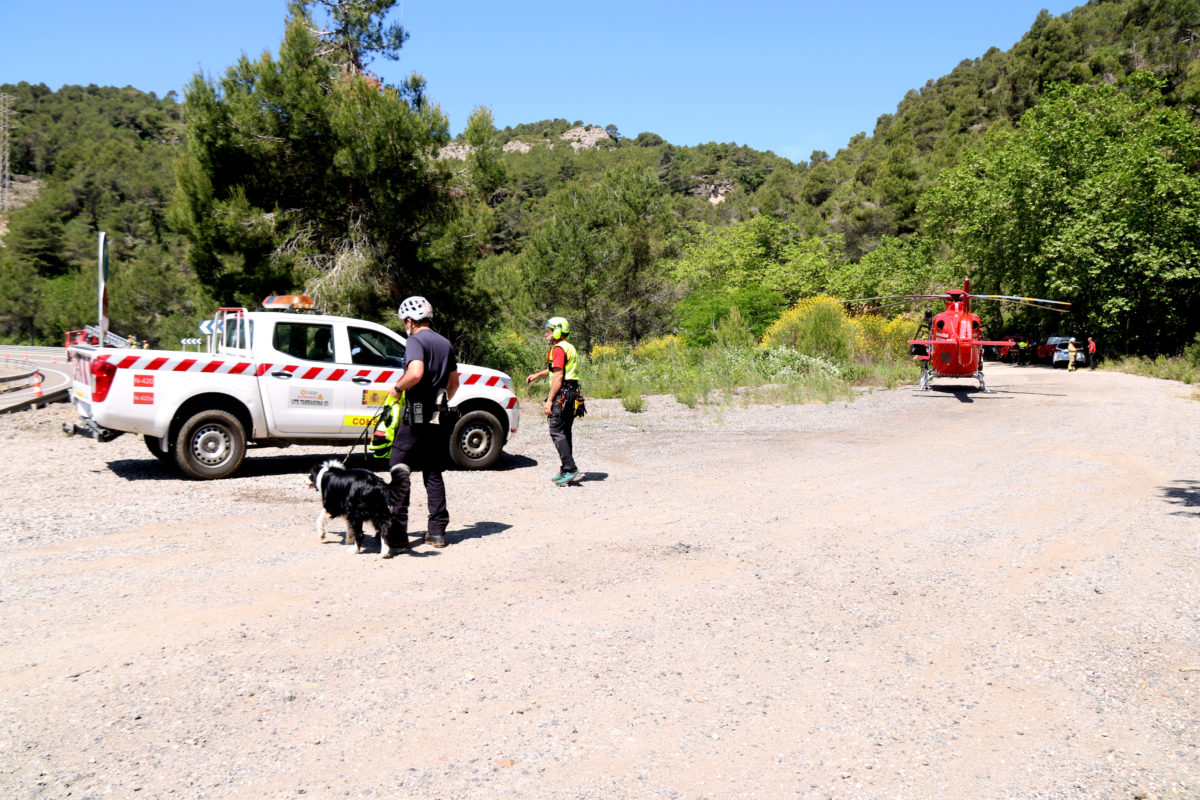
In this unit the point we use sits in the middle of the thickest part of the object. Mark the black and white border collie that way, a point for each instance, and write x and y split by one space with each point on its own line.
359 496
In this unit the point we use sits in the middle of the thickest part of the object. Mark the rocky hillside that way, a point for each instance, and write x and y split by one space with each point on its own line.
584 137
23 189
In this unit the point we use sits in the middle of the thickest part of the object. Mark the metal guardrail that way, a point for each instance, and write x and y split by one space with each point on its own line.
19 375
7 382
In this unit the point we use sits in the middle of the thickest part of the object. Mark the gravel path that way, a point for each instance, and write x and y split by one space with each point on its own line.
939 594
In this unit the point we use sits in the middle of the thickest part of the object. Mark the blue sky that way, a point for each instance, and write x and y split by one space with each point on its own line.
791 77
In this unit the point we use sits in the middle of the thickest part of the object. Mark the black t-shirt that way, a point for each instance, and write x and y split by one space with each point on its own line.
436 351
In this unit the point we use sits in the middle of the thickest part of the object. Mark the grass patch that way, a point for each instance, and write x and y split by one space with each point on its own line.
633 402
815 354
1177 368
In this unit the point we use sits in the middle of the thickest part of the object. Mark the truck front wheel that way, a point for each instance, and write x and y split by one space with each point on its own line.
476 440
211 444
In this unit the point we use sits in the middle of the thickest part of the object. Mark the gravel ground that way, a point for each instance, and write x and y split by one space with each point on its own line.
940 594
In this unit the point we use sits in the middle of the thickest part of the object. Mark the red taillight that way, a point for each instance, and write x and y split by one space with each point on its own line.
104 373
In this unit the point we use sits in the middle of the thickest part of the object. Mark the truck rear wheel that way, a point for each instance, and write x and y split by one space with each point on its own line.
476 441
211 444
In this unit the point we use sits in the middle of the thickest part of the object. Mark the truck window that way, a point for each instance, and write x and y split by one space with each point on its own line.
237 332
304 340
374 349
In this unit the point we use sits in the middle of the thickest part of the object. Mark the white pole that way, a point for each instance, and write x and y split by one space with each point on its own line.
102 258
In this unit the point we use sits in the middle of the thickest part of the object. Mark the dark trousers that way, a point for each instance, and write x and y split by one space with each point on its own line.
417 447
562 417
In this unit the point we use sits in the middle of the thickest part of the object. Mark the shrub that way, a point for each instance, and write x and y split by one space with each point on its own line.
878 339
817 326
1191 353
510 352
701 313
604 352
664 348
733 333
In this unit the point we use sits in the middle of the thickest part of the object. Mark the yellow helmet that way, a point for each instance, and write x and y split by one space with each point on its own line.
559 327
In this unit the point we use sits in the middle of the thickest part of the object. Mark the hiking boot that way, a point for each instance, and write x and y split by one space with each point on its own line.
435 540
568 477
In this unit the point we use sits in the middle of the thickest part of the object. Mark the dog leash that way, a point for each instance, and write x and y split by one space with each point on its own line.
370 424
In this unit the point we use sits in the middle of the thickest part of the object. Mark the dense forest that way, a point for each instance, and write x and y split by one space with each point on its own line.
1066 167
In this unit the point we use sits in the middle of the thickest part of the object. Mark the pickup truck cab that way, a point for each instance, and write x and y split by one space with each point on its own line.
272 379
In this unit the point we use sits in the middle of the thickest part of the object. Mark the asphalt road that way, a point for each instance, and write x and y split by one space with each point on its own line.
50 361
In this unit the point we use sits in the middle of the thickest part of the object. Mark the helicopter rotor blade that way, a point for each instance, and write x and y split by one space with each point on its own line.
1021 299
908 298
1034 305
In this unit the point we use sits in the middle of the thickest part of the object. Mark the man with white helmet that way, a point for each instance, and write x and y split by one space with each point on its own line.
430 368
562 366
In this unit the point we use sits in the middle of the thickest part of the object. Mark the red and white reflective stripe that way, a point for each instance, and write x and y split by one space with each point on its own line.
160 364
512 401
329 373
221 367
471 380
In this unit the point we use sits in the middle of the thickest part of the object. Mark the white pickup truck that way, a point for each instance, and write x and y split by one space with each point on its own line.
271 379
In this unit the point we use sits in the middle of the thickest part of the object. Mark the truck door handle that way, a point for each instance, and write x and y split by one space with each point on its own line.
361 381
281 374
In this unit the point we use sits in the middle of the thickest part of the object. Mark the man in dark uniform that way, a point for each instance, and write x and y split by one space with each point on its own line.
429 369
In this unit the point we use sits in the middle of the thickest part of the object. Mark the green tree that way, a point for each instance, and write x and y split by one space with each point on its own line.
356 32
20 299
594 259
761 252
36 235
702 312
305 171
897 266
1093 199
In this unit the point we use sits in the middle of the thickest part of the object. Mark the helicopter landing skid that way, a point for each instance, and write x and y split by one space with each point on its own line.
928 375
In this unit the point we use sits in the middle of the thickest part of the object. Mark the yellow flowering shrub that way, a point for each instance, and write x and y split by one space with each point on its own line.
817 326
661 349
878 339
604 352
820 326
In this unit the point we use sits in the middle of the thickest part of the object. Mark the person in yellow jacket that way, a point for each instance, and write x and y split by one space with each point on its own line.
1072 351
562 367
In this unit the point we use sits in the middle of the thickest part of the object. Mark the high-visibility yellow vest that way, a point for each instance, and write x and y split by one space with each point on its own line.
571 369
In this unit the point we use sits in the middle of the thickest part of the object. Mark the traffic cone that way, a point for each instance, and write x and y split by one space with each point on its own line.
37 384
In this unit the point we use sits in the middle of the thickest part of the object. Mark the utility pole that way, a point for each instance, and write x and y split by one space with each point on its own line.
5 172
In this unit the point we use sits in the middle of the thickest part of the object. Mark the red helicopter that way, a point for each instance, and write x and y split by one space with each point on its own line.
951 347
